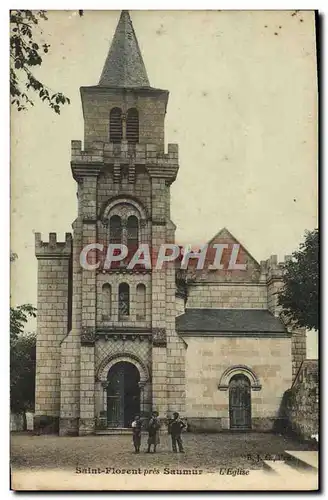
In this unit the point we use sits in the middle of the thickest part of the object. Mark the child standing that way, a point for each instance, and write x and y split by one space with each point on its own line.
136 433
153 431
175 427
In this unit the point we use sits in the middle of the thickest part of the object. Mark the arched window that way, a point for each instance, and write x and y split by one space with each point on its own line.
123 300
133 232
115 125
132 126
106 301
115 230
141 302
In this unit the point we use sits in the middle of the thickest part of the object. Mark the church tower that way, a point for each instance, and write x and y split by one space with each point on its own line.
121 356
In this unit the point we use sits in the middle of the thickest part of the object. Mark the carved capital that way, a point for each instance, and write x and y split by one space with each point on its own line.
143 223
159 337
88 335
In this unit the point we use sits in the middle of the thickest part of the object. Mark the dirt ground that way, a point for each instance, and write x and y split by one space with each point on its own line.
208 452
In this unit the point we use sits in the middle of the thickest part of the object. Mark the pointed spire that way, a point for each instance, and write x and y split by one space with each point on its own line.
124 66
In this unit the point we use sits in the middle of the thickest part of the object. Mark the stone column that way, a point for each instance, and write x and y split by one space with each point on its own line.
89 295
159 366
142 397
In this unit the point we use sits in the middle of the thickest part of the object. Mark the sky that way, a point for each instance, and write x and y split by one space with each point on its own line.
242 107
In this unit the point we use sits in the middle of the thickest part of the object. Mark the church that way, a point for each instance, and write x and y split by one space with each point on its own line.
210 343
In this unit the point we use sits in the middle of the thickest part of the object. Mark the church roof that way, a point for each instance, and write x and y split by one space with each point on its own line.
226 322
124 66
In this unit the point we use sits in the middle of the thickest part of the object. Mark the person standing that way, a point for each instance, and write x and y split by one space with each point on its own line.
153 431
175 428
136 433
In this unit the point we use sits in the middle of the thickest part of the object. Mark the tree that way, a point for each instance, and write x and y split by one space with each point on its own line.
22 373
26 54
18 318
299 296
22 360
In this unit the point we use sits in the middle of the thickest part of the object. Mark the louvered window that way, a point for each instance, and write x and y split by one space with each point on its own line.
132 126
115 125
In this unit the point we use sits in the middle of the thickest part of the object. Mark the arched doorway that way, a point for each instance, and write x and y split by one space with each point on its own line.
240 402
123 394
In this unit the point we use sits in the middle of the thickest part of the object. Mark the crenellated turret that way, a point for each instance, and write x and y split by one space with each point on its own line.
53 248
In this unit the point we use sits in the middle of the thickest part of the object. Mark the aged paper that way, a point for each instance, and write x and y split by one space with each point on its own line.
158 369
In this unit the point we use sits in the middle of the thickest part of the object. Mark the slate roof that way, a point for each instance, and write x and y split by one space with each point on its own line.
230 321
124 66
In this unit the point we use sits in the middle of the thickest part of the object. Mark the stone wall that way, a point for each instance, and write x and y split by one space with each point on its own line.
97 103
133 280
301 406
298 348
141 189
208 358
227 295
17 421
54 261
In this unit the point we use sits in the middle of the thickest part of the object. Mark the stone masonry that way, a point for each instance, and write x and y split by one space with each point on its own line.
96 324
302 401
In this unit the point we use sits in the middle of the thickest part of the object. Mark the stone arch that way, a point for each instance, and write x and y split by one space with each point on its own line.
237 370
125 201
112 359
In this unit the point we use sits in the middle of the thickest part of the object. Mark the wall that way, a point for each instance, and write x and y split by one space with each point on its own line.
236 295
206 360
302 401
133 280
140 189
17 421
98 102
54 261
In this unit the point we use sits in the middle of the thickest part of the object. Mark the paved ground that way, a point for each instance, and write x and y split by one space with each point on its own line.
208 452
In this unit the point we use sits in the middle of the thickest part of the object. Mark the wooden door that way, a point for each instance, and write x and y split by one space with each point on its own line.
240 402
123 394
115 396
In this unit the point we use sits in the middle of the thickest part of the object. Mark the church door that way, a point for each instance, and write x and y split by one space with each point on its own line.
123 394
240 402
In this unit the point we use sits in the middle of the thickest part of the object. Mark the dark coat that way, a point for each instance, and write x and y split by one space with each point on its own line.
136 431
153 431
176 426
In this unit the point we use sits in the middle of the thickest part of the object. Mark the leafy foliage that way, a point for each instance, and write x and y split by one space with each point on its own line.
300 294
18 318
25 54
22 359
22 372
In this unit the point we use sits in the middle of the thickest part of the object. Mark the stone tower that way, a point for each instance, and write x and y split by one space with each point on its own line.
107 347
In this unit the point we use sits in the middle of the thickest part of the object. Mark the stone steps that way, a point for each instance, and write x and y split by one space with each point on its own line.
277 467
296 462
303 459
